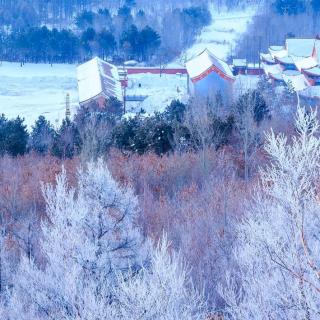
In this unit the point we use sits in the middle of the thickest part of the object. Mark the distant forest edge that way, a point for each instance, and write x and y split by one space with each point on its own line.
68 31
33 33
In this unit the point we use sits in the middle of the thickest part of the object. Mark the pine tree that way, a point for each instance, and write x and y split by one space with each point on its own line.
13 136
67 142
42 135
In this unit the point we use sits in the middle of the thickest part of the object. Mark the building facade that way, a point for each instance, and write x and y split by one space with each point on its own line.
210 76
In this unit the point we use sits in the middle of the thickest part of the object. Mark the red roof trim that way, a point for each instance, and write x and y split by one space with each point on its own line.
310 73
280 61
208 71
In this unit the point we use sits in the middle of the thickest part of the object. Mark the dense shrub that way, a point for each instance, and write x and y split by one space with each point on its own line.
13 136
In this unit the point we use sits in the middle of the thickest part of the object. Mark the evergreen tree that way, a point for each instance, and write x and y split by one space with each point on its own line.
159 136
107 43
13 136
113 106
85 20
87 39
67 142
124 135
129 41
42 136
257 103
148 42
175 111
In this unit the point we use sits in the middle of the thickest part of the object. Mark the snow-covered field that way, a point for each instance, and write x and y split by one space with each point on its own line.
160 91
37 89
221 36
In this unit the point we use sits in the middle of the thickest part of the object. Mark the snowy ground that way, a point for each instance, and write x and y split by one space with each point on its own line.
221 36
160 91
244 83
37 89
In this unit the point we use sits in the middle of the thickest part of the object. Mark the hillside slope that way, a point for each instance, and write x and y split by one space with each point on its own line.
221 36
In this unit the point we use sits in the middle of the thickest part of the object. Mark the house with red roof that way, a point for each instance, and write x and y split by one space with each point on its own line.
209 76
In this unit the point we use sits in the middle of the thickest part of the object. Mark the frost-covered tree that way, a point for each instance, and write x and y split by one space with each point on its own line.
163 291
278 250
89 237
249 111
110 222
96 264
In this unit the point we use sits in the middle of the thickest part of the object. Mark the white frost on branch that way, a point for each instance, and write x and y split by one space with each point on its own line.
278 249
163 291
97 265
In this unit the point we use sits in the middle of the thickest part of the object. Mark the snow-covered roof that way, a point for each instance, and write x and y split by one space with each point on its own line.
312 71
300 47
205 63
97 77
267 57
285 60
278 51
304 63
131 63
296 79
303 53
271 69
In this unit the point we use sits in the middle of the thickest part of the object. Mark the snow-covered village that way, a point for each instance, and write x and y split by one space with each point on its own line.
159 159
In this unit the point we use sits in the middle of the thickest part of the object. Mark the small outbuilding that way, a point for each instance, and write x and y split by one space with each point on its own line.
98 81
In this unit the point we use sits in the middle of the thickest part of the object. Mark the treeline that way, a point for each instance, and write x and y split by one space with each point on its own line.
127 33
95 131
129 30
196 126
40 45
53 46
61 12
192 127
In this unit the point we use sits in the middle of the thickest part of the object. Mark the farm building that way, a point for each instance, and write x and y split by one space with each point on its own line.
296 63
97 81
209 75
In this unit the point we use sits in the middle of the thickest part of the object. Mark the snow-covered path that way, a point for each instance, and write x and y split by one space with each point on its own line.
220 37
